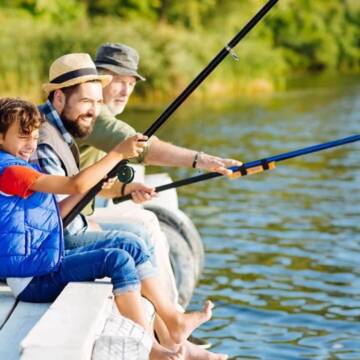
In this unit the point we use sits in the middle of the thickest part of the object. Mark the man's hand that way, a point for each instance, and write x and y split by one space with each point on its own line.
216 164
140 192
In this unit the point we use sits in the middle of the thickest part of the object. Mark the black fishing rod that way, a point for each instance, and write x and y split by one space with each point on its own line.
253 167
124 172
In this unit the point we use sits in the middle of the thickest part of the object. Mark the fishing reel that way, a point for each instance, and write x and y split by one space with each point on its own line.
125 173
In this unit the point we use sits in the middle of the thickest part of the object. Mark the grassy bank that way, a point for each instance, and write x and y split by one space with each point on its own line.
173 54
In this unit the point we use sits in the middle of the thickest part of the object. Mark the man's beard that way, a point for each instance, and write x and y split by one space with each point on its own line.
75 128
116 109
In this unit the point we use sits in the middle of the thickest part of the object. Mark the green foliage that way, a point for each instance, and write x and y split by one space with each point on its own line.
189 13
45 10
176 39
317 35
129 9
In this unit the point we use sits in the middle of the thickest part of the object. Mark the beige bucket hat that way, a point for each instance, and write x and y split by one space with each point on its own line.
73 69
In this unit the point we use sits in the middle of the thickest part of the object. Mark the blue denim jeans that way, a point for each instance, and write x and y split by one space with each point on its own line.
133 231
122 259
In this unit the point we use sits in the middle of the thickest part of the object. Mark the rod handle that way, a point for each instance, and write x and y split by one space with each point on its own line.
242 171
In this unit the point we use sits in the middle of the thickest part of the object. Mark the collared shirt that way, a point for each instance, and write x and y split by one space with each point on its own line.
50 163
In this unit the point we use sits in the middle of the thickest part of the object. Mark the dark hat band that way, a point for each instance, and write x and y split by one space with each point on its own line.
74 74
113 62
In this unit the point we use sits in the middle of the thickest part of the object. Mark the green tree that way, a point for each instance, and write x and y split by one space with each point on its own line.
54 10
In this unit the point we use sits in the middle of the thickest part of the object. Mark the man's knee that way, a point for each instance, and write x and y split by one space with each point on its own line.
142 232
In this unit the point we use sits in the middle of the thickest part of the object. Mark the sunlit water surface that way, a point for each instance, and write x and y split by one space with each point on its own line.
282 247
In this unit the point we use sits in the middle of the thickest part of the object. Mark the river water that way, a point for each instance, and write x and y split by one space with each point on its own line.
282 247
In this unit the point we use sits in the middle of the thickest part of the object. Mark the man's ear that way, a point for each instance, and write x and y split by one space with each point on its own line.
59 100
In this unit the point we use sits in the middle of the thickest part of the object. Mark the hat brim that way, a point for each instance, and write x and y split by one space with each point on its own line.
104 79
119 70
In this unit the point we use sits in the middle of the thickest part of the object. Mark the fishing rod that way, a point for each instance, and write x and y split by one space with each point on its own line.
124 172
252 167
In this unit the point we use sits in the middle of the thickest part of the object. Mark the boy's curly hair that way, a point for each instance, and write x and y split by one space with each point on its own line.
15 109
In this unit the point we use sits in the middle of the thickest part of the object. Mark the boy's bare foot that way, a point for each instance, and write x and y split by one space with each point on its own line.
187 323
158 352
194 352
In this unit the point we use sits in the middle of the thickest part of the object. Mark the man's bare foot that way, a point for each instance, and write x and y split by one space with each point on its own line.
187 323
158 352
194 352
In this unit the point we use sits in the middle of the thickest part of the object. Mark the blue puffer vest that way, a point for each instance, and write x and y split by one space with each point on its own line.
31 235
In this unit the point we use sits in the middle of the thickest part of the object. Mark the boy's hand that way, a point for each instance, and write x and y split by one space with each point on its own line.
140 192
108 184
132 147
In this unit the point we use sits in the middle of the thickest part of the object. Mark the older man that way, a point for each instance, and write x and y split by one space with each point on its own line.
121 62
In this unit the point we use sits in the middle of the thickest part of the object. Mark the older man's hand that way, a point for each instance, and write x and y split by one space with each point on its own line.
216 164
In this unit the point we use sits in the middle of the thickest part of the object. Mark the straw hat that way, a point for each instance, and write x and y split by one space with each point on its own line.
73 69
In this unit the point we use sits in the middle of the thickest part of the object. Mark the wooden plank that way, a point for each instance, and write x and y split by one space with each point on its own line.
7 302
24 317
71 324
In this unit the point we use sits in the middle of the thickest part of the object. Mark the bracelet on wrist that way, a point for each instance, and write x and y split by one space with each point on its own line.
118 199
196 159
122 190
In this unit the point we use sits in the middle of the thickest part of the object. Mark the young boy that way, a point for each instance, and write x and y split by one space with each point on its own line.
32 255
